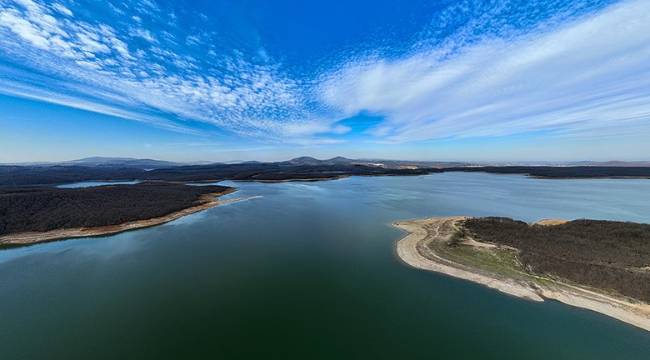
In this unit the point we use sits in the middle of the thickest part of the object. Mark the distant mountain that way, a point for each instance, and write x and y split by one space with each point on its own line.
150 164
340 160
121 162
304 168
308 160
304 160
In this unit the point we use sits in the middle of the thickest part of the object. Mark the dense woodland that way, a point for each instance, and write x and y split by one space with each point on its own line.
559 172
47 175
274 171
43 209
604 254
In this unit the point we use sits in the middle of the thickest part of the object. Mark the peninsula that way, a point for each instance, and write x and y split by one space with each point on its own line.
602 266
34 215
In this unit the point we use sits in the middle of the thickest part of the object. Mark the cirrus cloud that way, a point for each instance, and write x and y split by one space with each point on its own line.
587 76
578 69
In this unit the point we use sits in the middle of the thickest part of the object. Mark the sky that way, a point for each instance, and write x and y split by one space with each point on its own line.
222 80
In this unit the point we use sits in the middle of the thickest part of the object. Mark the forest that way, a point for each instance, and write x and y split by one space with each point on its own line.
49 175
43 208
562 172
608 255
279 171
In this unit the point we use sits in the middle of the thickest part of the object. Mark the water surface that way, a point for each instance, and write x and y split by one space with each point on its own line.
307 271
85 184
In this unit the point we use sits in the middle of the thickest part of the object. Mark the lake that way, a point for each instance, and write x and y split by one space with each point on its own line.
307 271
84 184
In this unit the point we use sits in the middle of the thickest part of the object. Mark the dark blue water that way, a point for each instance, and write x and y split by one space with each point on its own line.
307 271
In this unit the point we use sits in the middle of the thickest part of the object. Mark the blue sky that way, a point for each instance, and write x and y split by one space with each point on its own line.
267 80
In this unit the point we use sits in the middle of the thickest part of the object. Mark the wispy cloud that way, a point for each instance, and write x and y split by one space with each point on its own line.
97 106
143 34
569 69
62 9
82 58
581 76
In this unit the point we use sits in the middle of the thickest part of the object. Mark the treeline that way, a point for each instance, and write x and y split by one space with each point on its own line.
273 171
604 254
43 209
45 175
559 172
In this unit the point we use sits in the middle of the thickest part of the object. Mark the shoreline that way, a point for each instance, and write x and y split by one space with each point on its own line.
206 201
538 177
412 249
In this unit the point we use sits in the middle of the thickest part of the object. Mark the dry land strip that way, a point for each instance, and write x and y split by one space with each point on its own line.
444 245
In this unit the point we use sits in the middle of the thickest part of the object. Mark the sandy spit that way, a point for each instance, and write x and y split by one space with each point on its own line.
551 222
420 232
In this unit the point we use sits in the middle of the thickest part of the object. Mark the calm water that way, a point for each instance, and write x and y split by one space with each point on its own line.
84 184
308 271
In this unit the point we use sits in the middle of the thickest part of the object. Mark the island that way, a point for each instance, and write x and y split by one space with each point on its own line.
30 215
603 266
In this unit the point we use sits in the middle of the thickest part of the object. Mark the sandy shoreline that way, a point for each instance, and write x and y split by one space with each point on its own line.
28 238
413 251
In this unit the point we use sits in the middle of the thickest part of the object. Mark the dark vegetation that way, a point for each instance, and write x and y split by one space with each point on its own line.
559 172
43 209
607 255
47 175
300 168
273 172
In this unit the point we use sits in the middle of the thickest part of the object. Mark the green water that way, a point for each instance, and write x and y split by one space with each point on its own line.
307 271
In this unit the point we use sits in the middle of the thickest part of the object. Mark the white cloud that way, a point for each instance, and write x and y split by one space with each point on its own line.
190 94
29 5
62 9
146 6
193 40
572 79
580 77
25 29
144 34
20 90
90 43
